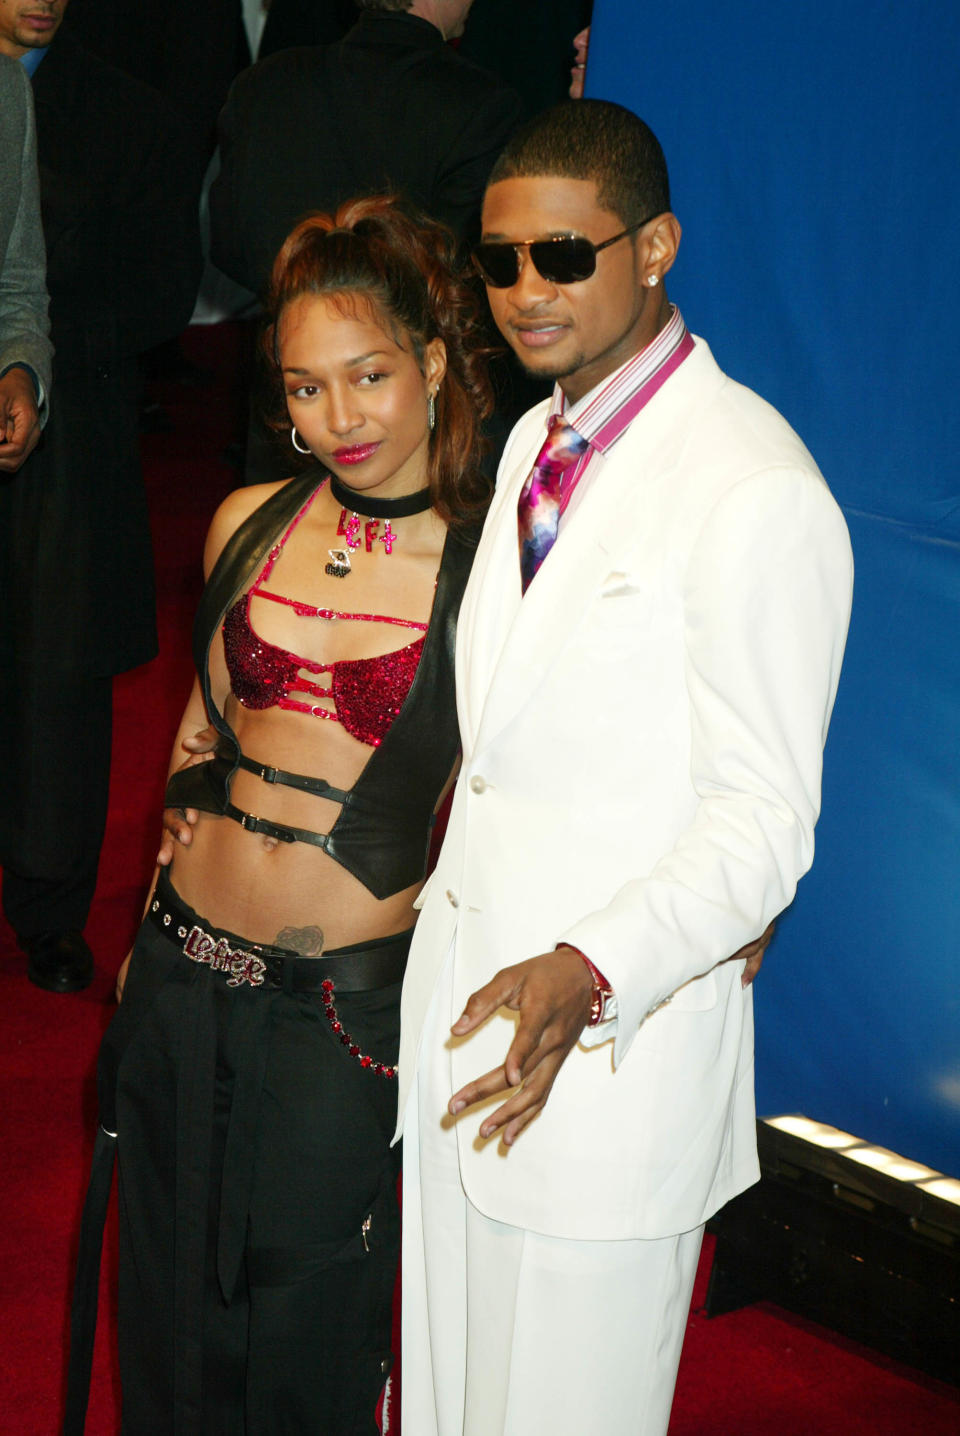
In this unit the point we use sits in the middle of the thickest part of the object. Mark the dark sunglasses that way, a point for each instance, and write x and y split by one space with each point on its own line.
567 259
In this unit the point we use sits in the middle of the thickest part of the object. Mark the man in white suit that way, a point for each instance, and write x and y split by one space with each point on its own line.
645 676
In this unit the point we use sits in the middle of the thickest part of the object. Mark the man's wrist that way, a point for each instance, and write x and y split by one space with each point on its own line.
603 1001
30 373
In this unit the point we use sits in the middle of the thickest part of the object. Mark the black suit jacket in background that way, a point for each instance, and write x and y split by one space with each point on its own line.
123 262
391 107
189 50
305 22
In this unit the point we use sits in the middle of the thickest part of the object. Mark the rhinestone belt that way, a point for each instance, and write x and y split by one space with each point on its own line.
261 965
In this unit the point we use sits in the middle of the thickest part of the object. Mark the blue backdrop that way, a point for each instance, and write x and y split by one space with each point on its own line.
813 152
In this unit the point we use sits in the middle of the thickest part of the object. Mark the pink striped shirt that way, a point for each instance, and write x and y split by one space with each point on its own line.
606 412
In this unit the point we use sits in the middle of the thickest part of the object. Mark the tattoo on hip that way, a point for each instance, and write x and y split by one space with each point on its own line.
305 941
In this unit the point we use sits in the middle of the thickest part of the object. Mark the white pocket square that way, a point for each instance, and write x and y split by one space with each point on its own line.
617 585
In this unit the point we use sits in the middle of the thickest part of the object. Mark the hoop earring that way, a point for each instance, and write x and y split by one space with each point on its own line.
293 439
431 411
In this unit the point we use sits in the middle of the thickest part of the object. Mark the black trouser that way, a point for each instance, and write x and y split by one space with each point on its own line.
259 1223
53 796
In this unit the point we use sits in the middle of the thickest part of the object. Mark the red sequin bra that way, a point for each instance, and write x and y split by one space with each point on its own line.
367 693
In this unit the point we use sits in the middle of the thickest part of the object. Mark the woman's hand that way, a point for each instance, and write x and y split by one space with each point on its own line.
178 823
752 955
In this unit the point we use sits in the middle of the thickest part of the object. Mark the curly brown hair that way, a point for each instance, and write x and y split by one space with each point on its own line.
405 265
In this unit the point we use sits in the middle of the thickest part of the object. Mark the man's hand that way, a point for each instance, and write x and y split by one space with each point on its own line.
752 955
552 994
178 823
19 419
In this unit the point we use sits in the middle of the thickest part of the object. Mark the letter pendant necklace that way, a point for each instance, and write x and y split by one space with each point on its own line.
360 518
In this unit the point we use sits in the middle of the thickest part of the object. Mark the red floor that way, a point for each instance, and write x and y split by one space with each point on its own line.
754 1371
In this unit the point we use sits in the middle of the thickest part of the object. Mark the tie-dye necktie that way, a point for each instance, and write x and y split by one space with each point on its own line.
538 510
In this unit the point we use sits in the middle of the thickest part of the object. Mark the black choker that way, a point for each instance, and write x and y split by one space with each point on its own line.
401 508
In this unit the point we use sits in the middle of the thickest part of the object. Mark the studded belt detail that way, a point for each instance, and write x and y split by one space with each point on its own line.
240 964
258 964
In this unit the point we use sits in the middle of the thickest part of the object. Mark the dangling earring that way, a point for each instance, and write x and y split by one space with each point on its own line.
299 448
431 411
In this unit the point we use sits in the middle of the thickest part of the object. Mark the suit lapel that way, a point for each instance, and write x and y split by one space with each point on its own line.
506 647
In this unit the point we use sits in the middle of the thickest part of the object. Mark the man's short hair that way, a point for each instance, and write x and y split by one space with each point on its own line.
383 4
593 140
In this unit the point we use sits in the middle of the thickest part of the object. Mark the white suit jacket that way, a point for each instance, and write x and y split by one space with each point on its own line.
642 745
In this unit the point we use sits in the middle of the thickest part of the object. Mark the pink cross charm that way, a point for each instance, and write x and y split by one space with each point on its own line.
388 537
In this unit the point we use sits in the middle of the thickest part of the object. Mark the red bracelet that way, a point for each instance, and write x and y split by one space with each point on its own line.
602 991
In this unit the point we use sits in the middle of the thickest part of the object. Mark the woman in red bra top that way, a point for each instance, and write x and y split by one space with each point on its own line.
247 1080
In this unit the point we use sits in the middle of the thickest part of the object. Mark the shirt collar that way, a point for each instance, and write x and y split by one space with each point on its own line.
397 27
603 413
31 59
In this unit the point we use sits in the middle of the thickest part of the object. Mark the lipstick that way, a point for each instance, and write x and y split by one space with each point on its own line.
355 453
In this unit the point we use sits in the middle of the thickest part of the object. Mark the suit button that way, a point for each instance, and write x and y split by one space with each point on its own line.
452 898
478 785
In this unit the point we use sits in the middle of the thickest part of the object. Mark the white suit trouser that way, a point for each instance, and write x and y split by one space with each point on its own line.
510 1333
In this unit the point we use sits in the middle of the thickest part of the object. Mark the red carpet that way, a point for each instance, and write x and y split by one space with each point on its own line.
758 1372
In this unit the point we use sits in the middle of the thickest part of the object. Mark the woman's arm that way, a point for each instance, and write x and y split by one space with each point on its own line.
194 716
197 740
194 737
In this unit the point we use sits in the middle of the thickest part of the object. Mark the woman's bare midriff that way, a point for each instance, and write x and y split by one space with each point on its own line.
262 888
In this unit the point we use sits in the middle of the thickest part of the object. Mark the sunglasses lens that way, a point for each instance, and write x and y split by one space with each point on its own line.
497 264
560 261
564 261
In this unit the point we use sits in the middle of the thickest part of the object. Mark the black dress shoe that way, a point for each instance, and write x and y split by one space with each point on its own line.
58 961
